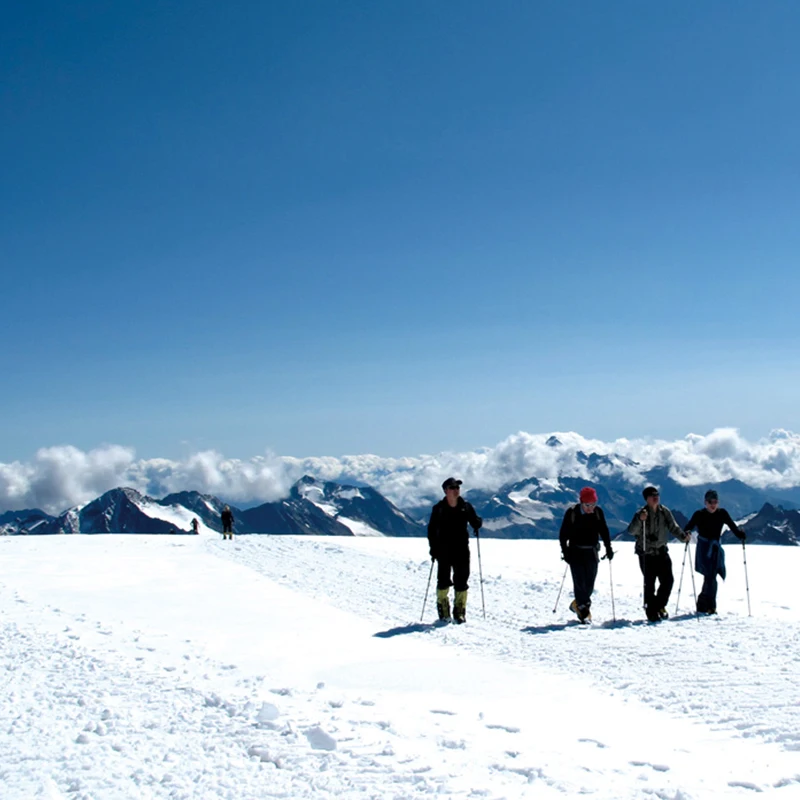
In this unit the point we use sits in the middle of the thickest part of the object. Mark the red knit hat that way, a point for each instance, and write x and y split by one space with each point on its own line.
588 495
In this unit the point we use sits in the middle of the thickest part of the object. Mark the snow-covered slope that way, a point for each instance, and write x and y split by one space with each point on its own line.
188 667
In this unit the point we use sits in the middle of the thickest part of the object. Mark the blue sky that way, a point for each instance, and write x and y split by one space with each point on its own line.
328 228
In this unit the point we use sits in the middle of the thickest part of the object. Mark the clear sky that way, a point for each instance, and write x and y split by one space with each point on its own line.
396 227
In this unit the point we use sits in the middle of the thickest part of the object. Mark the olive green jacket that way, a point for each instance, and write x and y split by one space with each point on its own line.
658 527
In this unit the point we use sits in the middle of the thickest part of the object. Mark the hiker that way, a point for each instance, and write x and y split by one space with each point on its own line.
581 530
195 525
652 527
448 537
227 523
709 557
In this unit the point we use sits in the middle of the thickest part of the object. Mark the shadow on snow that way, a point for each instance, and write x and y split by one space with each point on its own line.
414 627
607 625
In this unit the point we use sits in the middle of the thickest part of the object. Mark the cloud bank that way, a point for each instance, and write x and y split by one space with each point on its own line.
60 477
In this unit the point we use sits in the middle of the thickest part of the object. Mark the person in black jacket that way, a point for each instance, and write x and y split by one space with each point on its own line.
227 523
581 530
448 537
709 556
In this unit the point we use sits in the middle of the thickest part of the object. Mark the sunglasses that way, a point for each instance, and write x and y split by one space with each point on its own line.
589 505
453 488
712 502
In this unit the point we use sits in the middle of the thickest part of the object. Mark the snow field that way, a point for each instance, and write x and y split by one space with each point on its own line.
153 667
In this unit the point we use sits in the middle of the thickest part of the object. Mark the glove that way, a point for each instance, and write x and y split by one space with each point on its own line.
609 553
565 556
478 524
434 556
687 537
741 535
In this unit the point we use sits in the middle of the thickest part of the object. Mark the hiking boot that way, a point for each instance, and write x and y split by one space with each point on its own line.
663 614
573 606
460 607
652 615
584 614
443 603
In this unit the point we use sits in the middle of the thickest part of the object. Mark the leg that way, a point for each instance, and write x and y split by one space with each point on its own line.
648 569
461 583
707 599
443 584
584 574
666 581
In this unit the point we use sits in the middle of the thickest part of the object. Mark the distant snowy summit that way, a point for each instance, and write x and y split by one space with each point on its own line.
528 509
313 507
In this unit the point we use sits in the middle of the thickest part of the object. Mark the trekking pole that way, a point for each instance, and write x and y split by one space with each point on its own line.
746 581
680 582
562 586
644 564
691 572
611 578
480 573
427 588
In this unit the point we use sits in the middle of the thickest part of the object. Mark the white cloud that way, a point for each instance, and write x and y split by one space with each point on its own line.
59 477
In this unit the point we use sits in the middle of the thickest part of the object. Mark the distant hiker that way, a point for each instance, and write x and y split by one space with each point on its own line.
581 530
448 537
195 525
656 523
227 523
709 557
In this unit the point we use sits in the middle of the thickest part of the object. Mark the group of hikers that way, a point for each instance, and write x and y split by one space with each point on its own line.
582 529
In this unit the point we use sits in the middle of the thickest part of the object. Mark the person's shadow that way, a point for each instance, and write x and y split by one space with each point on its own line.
535 630
414 627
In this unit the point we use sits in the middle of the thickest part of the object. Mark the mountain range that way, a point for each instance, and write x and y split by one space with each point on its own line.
531 508
312 507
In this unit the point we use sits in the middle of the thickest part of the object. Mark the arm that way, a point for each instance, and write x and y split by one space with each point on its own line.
731 524
604 534
433 532
693 521
474 519
673 526
563 534
635 527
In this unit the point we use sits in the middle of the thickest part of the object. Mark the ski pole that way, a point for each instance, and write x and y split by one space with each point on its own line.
480 572
611 578
746 581
561 588
427 589
680 582
691 572
644 563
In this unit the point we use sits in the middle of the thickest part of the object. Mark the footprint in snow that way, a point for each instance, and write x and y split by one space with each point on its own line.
594 742
744 785
656 767
506 728
443 711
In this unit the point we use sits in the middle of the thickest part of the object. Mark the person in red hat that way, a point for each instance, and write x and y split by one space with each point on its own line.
581 530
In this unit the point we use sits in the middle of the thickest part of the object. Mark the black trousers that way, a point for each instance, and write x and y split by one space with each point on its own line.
227 527
583 566
456 563
656 567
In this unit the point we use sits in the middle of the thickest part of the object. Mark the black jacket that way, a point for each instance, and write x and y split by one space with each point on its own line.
227 517
583 530
709 525
447 529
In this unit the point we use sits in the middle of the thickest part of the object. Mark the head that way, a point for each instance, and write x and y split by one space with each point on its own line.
452 490
712 500
588 498
651 497
227 508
